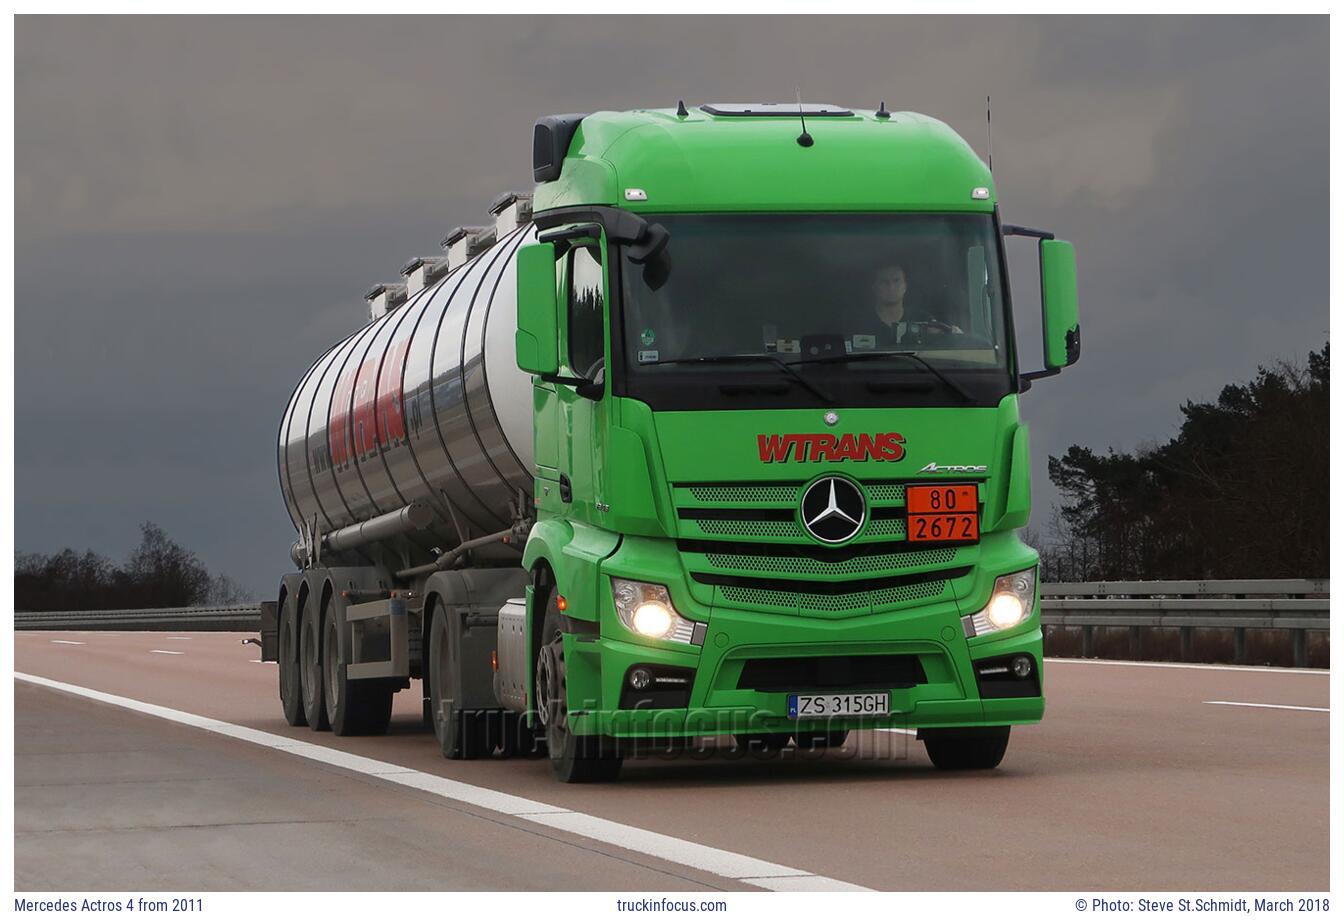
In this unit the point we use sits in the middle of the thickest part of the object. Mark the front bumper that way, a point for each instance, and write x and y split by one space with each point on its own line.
947 696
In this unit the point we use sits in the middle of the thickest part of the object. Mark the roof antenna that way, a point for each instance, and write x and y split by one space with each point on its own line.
882 110
804 139
989 134
681 109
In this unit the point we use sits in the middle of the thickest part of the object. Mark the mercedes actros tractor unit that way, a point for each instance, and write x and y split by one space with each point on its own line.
714 433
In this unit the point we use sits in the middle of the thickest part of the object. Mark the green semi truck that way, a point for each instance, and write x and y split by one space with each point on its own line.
714 433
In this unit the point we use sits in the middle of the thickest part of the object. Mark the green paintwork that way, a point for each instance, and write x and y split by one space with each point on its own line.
629 467
537 332
1059 299
909 162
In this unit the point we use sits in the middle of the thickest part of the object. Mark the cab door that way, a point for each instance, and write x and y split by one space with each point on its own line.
582 355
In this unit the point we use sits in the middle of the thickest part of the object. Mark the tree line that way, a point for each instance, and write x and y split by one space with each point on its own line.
158 573
1241 491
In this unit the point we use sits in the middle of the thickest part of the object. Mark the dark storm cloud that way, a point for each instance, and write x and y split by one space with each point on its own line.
201 202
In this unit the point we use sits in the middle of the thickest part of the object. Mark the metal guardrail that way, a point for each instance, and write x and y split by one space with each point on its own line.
1296 604
236 618
1299 605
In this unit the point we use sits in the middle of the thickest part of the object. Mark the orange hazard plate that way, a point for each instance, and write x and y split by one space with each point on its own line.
942 513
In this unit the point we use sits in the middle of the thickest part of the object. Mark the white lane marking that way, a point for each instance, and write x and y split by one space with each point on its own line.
723 863
183 638
161 651
1193 667
1267 705
898 731
259 661
66 642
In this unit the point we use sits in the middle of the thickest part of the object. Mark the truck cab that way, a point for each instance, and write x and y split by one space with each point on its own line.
779 464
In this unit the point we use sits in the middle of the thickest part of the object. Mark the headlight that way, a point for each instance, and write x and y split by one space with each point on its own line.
1009 604
647 610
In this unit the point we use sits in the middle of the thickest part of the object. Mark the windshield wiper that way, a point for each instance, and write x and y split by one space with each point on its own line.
749 359
870 355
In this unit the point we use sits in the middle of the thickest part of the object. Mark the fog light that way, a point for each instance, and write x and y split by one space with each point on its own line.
1022 666
1005 610
640 678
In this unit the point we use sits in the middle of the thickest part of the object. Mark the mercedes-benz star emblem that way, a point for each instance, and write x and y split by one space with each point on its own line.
833 509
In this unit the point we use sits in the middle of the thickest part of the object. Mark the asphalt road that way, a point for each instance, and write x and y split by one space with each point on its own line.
1140 777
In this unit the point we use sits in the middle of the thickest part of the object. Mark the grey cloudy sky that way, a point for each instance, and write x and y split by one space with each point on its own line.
200 203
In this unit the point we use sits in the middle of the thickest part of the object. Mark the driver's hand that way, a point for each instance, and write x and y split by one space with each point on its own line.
934 325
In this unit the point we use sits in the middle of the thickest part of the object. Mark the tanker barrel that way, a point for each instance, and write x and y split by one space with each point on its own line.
415 516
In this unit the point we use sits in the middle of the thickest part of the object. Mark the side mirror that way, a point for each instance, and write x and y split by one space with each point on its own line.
537 342
1059 304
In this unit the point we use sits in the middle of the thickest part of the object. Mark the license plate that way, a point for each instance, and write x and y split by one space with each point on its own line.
822 705
945 513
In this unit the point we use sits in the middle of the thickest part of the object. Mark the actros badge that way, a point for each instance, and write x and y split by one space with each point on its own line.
833 509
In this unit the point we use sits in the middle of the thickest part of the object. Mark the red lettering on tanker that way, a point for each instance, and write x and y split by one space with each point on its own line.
391 421
780 448
364 415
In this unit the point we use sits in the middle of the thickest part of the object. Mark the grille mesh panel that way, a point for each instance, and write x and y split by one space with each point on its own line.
824 604
801 565
886 527
754 528
744 494
887 493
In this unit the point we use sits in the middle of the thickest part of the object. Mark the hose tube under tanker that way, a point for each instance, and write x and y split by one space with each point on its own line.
424 406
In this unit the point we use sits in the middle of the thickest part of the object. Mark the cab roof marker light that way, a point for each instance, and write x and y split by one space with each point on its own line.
980 193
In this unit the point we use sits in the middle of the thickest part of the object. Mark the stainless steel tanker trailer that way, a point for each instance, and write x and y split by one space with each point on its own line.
403 449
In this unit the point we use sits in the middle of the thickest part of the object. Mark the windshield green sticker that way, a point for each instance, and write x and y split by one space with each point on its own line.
647 337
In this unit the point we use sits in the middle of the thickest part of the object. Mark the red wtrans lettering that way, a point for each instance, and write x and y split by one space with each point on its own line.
777 448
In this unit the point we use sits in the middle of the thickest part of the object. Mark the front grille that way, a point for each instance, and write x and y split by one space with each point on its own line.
856 602
832 672
746 495
802 565
746 539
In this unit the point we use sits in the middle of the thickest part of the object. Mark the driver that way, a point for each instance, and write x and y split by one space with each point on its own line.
894 327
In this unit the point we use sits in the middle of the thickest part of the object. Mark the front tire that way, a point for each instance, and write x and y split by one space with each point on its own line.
574 758
966 748
287 654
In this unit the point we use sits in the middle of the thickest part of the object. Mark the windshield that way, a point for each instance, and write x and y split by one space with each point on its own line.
803 310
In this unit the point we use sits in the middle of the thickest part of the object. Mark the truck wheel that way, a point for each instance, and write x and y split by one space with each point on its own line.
966 748
574 758
354 707
462 735
291 694
310 666
811 741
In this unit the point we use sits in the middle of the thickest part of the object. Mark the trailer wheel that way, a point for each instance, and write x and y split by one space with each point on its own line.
965 748
574 758
462 734
310 665
291 694
354 707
